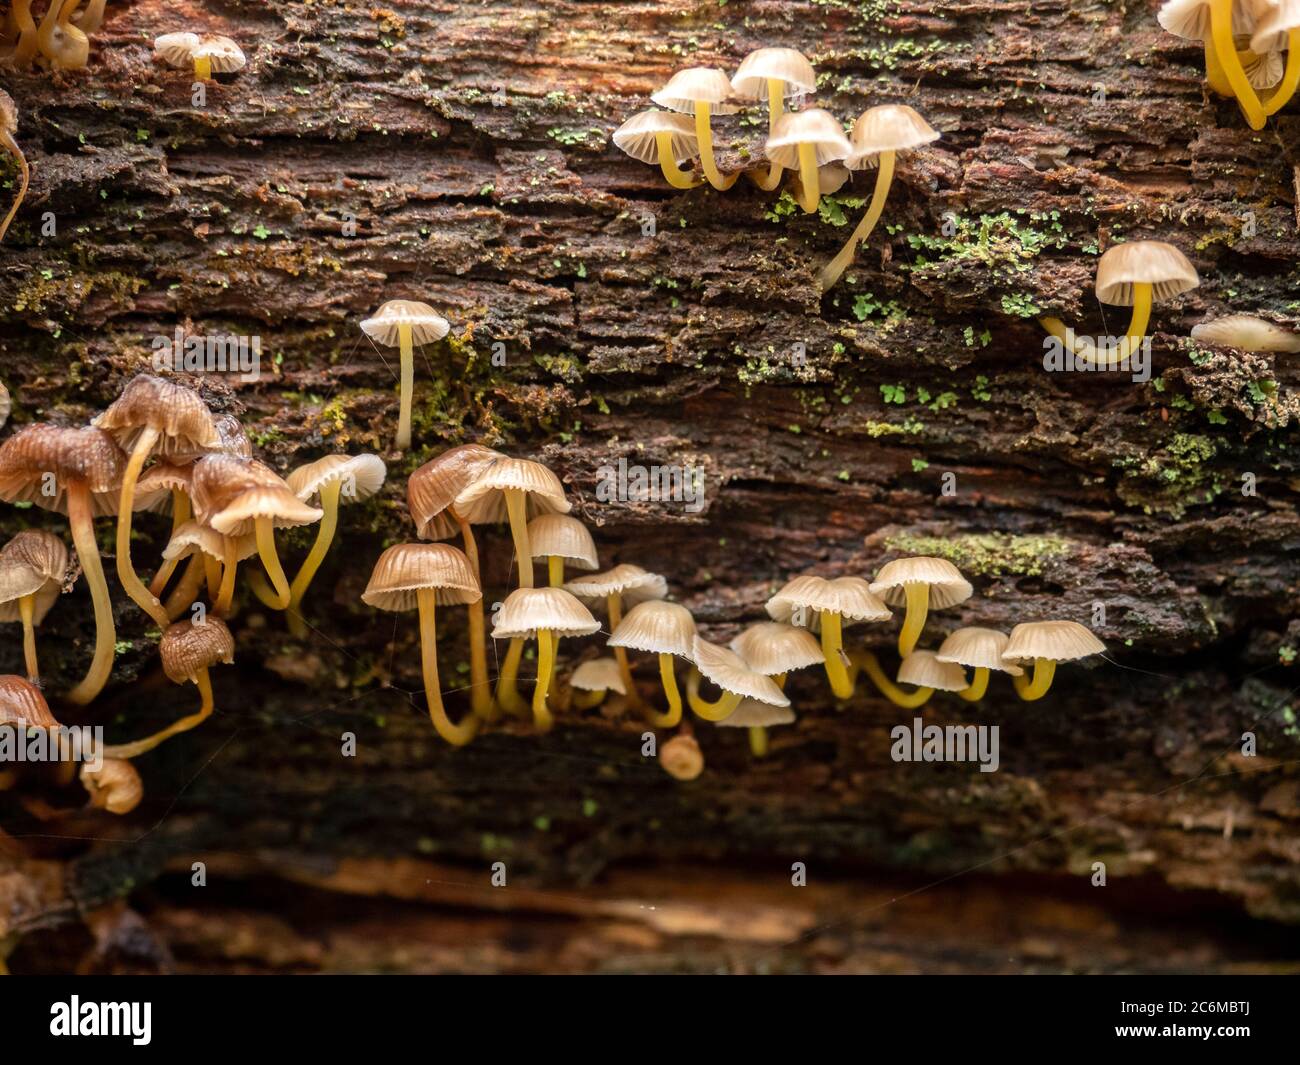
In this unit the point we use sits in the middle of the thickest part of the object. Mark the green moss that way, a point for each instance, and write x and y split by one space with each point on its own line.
987 554
1172 478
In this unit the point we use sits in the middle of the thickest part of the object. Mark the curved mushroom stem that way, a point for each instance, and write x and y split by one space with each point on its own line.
834 269
83 538
832 649
187 588
69 49
589 700
718 710
456 735
139 747
131 583
775 107
406 395
758 741
1226 50
25 176
203 72
27 611
704 138
1132 339
226 593
329 501
24 51
508 697
918 607
1286 88
271 562
668 678
809 182
614 607
979 684
1214 75
673 174
181 513
545 671
480 690
518 513
1044 671
92 18
891 691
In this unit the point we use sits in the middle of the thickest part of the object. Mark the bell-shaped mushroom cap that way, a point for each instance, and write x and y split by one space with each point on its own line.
560 536
528 609
770 647
1153 262
484 500
598 675
178 413
234 441
403 570
1247 333
753 714
887 128
785 65
115 786
1060 641
850 597
426 324
697 85
153 491
433 488
362 477
88 456
632 583
223 53
1273 31
658 628
924 670
728 671
977 648
231 493
819 128
22 705
176 49
1190 19
947 586
682 758
639 136
34 562
192 536
188 647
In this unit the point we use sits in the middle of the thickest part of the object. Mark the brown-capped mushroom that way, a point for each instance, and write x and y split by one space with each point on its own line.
207 551
33 567
402 324
114 786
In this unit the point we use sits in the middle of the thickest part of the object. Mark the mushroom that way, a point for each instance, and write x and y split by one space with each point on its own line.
92 17
682 758
22 708
402 324
210 53
1278 28
832 602
1045 643
700 91
658 628
920 668
729 672
207 550
62 43
1262 71
773 649
1214 22
561 539
9 141
164 488
804 141
1247 333
594 679
86 468
335 479
921 584
661 139
423 577
547 614
19 22
188 649
774 75
623 586
33 567
152 416
879 134
981 649
758 718
114 786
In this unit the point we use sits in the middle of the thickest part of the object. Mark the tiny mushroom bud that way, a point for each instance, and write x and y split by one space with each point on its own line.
115 786
804 141
921 584
593 679
774 75
62 43
1044 643
832 602
623 586
33 567
402 324
981 649
9 141
662 139
682 758
701 91
1278 28
729 672
1247 333
658 628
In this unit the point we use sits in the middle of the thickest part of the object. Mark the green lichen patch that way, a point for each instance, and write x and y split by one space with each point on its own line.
987 554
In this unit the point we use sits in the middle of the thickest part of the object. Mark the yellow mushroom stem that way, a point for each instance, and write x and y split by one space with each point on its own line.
758 745
203 72
1286 88
131 583
810 190
508 696
1214 75
704 138
1029 690
92 18
480 689
211 575
181 513
870 665
187 588
614 607
24 51
80 518
517 511
545 670
271 562
975 690
775 108
406 352
668 678
60 41
27 611
832 649
456 735
24 178
918 608
588 700
834 269
673 174
226 593
1132 339
139 747
719 709
329 523
1225 49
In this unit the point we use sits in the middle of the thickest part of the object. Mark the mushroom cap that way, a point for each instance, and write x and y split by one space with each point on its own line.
86 455
223 53
362 477
1060 641
1247 333
6 404
814 126
786 65
562 536
632 583
830 178
153 491
234 441
656 627
526 610
729 672
34 562
977 648
403 570
770 647
697 85
1264 70
22 705
682 758
638 136
192 537
1190 19
1152 262
947 586
433 488
188 647
924 670
887 128
1273 30
598 675
427 325
115 786
850 597
483 501
753 714
186 426
176 49
231 494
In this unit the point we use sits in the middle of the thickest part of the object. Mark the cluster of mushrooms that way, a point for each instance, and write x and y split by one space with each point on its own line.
474 485
809 142
61 40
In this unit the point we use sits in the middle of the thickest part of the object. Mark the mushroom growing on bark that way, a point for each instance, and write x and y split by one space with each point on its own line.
757 718
774 75
33 567
1215 23
593 680
62 43
727 670
1278 29
1247 333
701 91
775 650
661 139
921 669
657 628
20 25
1045 643
402 324
207 551
115 786
164 488
210 53
921 584
816 603
9 141
981 650
621 587
805 141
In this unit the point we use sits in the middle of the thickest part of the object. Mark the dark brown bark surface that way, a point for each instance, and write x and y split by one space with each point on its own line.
470 144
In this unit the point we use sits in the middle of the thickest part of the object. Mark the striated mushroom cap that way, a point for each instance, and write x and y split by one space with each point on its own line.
22 705
770 647
1273 30
432 489
656 627
924 670
224 54
850 597
887 128
1190 19
1060 641
176 49
697 85
426 324
977 648
361 476
598 675
786 65
526 610
34 562
639 136
193 536
186 426
483 501
1246 333
231 494
816 127
947 586
404 570
88 456
187 648
560 536
153 491
753 714
632 583
1152 262
729 672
